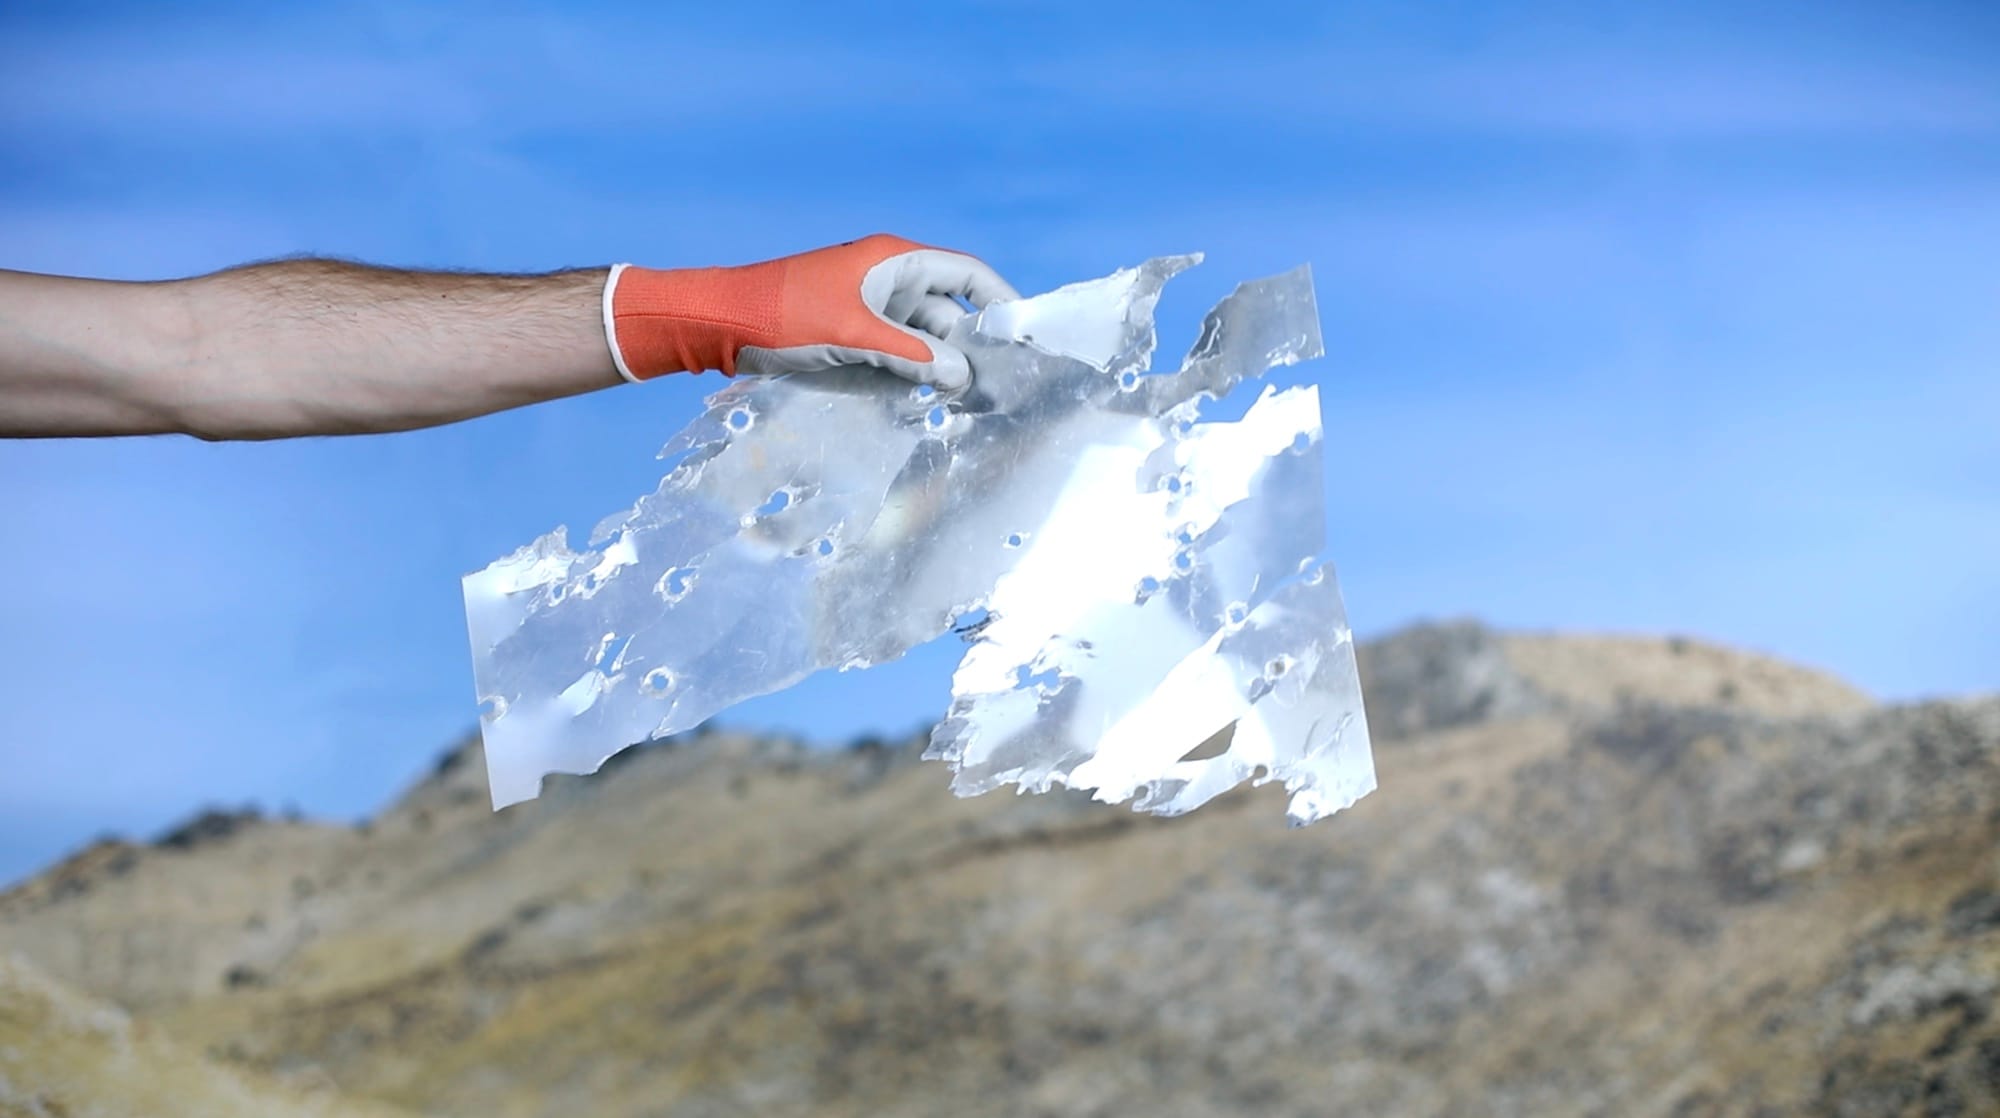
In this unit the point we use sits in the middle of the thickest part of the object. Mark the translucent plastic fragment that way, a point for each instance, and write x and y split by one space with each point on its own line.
1145 581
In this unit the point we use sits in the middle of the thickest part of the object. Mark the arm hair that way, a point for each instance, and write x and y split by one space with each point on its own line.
296 347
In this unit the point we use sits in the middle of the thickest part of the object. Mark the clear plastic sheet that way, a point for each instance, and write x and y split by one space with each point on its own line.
1133 579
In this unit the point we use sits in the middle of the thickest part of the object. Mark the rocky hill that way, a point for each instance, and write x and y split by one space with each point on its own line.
1601 876
67 1056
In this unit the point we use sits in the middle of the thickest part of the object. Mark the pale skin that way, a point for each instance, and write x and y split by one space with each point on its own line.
298 347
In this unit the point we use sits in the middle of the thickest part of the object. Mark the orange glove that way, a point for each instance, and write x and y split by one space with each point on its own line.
880 301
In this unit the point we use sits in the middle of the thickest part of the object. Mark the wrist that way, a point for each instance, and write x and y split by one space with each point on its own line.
689 319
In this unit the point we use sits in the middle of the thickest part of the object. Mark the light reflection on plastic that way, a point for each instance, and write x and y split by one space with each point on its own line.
1148 578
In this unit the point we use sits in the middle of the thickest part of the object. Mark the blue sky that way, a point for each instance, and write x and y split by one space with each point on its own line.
1684 320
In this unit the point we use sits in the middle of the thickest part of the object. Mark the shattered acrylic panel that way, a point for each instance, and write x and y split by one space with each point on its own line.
1145 580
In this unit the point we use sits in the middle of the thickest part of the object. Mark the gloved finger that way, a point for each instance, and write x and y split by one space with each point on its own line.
954 273
936 315
895 285
909 289
947 370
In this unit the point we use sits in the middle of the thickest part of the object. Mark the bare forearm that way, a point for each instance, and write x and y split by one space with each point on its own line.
307 347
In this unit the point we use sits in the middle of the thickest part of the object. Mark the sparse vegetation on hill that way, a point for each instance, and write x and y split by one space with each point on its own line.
1601 876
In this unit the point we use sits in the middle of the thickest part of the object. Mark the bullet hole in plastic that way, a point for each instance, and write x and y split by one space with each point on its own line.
823 548
1128 380
657 681
739 420
970 624
674 584
491 707
1026 677
1173 485
777 502
1183 562
1236 613
1016 539
924 392
1148 587
1301 442
610 651
935 418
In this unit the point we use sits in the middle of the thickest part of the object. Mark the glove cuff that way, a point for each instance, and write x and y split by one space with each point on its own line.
689 319
611 323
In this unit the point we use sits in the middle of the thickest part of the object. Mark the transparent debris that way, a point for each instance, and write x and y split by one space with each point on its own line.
1136 582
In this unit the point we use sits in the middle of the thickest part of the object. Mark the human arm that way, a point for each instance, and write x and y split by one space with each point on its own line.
296 347
318 347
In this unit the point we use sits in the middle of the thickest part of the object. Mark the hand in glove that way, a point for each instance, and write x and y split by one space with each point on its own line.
880 301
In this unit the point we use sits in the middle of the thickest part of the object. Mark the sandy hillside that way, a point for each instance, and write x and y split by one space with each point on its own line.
1602 876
